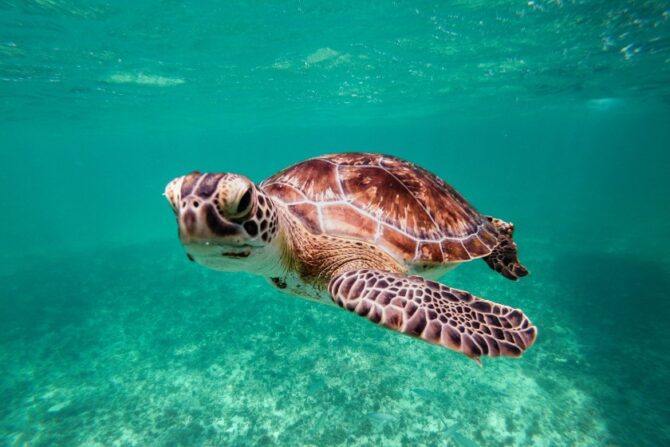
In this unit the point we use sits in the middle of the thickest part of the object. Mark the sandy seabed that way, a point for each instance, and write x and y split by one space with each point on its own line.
139 347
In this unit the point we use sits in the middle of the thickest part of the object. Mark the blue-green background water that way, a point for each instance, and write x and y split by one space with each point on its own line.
550 114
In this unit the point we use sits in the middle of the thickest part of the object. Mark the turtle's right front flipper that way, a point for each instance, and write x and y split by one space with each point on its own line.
433 312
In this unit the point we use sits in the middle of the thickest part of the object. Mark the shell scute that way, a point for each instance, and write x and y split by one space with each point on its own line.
431 251
488 237
475 246
398 242
378 192
454 250
347 221
308 214
316 179
288 193
354 159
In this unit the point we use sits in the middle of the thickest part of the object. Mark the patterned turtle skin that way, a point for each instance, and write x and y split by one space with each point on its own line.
352 229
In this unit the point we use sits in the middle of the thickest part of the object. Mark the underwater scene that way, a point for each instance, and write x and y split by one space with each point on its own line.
550 114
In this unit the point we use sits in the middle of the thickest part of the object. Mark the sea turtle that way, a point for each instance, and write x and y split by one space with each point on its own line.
367 232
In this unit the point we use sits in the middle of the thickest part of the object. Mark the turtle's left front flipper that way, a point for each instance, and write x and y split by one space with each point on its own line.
434 312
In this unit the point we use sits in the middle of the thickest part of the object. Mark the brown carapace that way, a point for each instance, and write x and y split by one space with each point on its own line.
353 229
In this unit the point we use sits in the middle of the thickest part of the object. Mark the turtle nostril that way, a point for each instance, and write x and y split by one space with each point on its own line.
196 204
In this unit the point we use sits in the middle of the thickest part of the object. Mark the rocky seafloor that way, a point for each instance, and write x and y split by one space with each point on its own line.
139 347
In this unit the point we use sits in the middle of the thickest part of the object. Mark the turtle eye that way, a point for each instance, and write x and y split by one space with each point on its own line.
235 198
244 205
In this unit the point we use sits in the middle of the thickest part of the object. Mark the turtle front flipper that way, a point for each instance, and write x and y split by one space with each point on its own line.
434 312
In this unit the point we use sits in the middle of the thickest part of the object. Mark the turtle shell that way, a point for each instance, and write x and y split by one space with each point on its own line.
404 209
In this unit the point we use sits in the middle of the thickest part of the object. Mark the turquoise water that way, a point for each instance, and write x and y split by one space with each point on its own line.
550 114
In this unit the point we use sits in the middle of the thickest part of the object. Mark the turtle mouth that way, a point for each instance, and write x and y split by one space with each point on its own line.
213 250
239 251
237 254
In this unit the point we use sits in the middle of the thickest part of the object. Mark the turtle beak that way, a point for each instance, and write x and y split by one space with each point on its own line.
173 193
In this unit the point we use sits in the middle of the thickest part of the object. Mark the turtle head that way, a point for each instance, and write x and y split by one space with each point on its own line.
225 221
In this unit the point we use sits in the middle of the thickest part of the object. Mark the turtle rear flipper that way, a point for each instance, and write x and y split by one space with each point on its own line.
434 312
504 258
